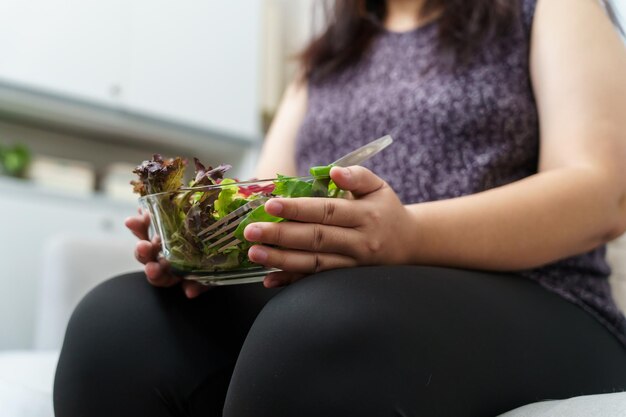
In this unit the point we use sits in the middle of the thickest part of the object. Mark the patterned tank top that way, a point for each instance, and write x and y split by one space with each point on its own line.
457 132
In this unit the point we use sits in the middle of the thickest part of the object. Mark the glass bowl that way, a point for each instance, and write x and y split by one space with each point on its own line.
201 229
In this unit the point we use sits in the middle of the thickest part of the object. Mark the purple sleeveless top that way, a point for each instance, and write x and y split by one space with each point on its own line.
456 132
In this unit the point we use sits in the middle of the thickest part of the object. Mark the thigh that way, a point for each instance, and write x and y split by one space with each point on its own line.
132 349
419 341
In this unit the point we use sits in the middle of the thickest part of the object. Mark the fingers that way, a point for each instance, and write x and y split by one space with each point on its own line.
358 180
281 278
159 274
329 211
157 269
193 289
147 251
298 261
139 225
311 237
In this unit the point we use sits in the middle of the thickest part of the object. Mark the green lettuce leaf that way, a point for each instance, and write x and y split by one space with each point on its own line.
227 198
291 187
257 215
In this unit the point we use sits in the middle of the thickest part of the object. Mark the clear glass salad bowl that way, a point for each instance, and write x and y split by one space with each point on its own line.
201 229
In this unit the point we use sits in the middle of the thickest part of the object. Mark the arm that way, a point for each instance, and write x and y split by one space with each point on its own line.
577 201
281 138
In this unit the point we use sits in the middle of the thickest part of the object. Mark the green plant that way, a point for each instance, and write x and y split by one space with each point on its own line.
14 160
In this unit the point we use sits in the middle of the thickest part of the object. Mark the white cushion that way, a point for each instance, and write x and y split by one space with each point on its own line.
73 265
604 405
26 379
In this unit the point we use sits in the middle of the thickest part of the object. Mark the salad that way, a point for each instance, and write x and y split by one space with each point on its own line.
179 214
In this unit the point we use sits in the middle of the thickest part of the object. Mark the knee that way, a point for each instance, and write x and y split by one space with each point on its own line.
130 340
319 332
340 308
100 321
321 312
96 333
361 309
107 308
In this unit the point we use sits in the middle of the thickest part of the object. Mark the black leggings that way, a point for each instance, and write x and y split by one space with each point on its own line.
375 341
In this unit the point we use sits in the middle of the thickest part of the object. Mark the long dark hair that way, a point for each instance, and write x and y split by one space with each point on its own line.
463 25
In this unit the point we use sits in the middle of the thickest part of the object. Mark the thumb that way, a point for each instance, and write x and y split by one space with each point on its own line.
356 179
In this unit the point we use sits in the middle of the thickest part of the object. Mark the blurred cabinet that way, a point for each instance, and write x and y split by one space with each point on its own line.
193 62
69 47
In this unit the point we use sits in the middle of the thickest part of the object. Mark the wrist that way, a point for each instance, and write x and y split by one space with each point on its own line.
423 244
413 241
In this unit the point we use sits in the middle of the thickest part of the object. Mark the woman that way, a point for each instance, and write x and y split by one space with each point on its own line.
506 179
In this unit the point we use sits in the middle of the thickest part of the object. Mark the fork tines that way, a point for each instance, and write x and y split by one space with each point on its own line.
225 224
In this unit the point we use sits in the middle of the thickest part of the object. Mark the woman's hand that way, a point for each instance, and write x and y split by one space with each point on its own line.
373 228
157 269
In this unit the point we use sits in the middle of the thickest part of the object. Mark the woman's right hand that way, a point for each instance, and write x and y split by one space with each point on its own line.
156 268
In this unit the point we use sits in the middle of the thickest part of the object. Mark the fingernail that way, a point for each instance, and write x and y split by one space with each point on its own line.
257 254
252 233
346 172
274 207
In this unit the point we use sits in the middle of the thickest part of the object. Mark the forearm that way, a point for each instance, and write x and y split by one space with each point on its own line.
522 225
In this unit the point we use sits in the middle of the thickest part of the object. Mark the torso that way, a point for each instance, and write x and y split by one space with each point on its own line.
457 131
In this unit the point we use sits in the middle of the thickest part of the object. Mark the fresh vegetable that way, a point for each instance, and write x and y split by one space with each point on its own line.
182 216
158 175
292 187
323 171
257 215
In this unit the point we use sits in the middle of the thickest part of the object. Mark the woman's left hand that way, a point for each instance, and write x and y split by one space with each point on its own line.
326 233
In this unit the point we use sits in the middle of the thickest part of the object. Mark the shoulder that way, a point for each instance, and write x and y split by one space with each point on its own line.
587 13
574 23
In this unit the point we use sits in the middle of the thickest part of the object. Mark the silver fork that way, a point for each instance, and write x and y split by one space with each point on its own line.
224 225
